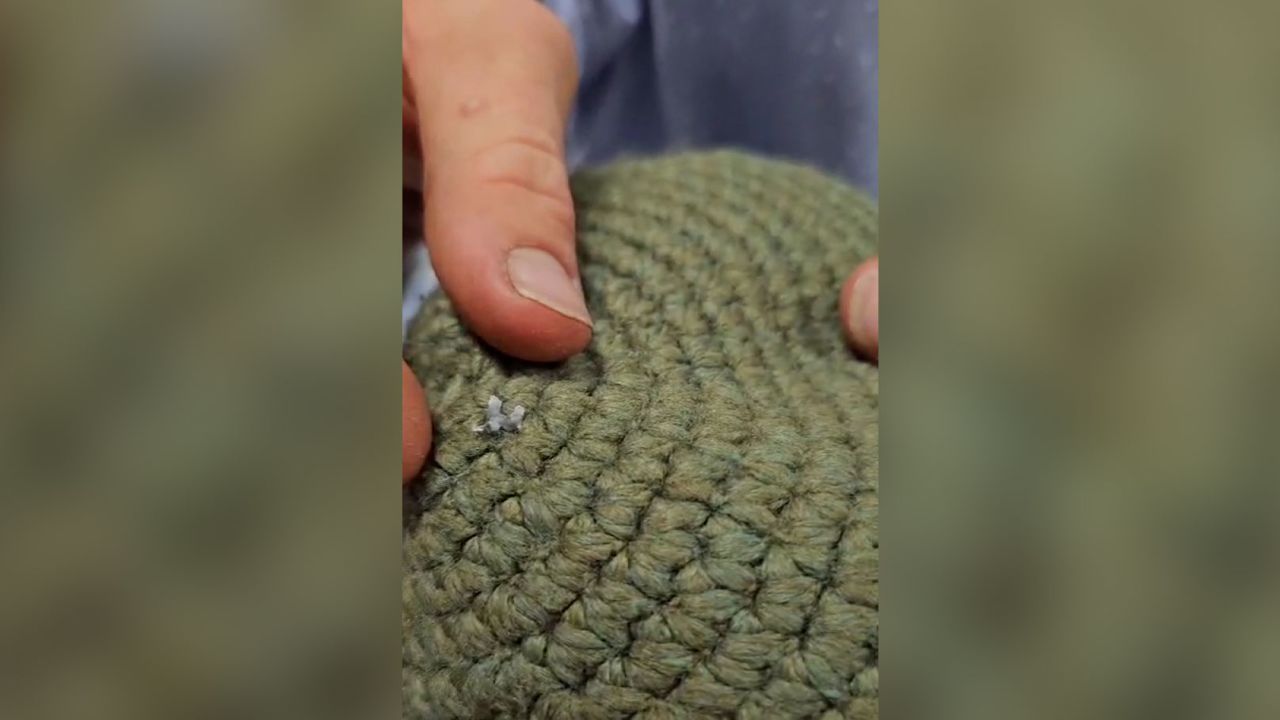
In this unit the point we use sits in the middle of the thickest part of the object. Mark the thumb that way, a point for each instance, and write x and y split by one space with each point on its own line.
492 82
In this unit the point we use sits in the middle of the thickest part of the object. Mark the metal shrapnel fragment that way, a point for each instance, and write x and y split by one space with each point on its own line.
497 421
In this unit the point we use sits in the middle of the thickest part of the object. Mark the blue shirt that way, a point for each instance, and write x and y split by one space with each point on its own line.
790 78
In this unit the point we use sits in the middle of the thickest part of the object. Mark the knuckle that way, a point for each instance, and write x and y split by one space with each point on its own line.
533 167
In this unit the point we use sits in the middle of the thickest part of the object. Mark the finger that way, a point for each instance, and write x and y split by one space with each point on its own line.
410 141
860 309
492 82
415 425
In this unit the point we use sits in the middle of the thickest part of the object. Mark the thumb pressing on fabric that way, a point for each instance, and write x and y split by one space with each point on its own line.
491 83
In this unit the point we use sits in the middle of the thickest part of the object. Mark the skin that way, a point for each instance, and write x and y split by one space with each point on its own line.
488 88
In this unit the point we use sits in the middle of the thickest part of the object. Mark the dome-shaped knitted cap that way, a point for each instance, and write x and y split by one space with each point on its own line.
685 524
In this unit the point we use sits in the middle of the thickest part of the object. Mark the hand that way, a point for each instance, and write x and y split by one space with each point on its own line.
488 88
488 85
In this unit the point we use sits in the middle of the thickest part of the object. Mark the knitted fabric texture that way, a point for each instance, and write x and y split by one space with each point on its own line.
686 524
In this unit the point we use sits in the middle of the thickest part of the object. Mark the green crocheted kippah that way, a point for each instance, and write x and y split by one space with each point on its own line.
685 525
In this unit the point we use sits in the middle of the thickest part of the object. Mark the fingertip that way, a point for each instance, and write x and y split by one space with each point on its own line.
527 330
514 284
860 309
415 425
519 323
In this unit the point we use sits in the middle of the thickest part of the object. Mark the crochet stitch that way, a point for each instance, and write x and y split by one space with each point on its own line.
686 524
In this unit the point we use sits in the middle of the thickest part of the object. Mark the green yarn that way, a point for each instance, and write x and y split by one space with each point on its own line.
686 525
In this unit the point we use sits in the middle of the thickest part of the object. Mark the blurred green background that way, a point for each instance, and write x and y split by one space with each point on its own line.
1079 352
200 273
